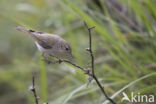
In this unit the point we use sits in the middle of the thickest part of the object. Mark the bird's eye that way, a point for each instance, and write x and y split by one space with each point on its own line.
67 49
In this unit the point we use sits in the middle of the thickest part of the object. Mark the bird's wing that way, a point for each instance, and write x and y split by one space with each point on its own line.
43 40
44 44
46 40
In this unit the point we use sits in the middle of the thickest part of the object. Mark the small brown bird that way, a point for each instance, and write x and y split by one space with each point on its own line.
50 44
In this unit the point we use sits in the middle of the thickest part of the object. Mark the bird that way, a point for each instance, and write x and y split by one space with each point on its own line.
50 44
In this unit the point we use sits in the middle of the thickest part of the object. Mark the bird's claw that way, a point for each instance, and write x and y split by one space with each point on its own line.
47 61
60 61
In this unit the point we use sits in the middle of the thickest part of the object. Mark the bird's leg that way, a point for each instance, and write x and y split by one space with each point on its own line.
43 55
46 58
60 61
53 56
51 60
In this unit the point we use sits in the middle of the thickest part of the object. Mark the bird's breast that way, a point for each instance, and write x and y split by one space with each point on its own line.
40 47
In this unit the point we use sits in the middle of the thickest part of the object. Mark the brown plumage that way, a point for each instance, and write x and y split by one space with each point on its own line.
49 43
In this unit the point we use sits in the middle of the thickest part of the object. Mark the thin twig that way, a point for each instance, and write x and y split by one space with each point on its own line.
32 88
90 48
86 71
92 75
92 65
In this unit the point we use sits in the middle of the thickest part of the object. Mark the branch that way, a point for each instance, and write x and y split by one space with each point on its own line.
86 71
90 48
92 74
92 64
32 88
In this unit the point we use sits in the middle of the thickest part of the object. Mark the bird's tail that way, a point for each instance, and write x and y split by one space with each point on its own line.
23 29
32 33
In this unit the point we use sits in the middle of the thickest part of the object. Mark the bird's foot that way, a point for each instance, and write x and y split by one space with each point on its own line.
52 61
47 61
60 61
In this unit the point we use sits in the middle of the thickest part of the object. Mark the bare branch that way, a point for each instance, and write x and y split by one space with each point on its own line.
74 64
92 65
32 88
86 71
90 47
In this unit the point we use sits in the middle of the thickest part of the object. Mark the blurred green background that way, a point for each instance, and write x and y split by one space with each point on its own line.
124 45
